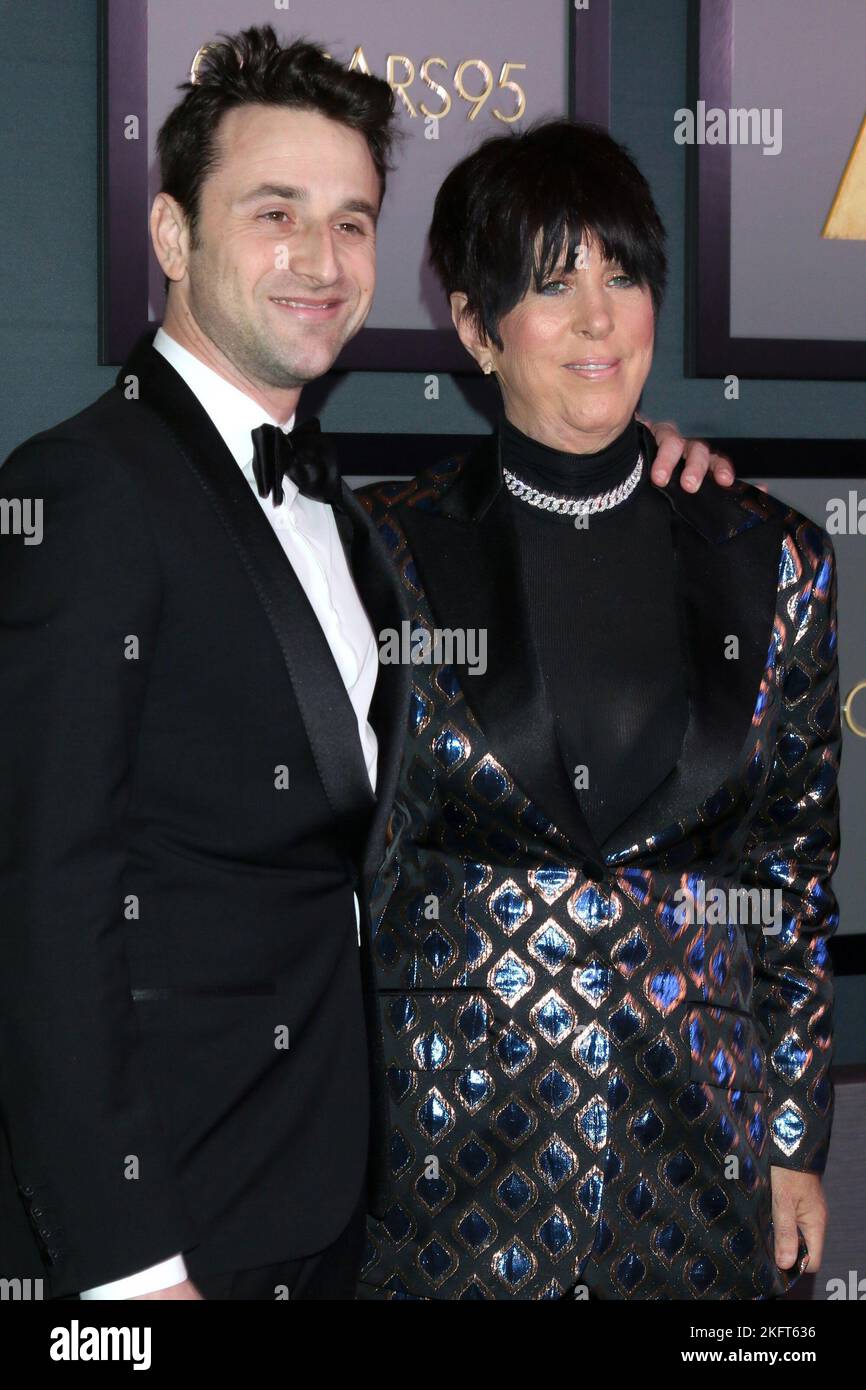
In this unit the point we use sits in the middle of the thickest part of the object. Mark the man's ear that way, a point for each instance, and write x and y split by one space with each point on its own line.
467 329
169 232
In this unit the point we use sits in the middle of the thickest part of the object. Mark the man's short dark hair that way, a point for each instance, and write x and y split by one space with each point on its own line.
506 213
252 68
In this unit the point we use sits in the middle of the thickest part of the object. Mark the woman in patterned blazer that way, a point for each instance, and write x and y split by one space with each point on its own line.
602 919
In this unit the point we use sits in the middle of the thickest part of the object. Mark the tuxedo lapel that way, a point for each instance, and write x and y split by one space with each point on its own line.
465 550
326 711
382 595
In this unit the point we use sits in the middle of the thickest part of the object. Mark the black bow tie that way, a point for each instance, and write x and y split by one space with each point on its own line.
304 454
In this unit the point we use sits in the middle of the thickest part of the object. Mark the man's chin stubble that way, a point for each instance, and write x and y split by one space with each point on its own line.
284 378
283 375
287 376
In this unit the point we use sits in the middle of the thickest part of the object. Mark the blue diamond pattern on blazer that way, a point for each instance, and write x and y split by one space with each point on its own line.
586 1088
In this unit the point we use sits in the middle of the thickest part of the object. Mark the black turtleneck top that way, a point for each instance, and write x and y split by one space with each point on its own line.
603 613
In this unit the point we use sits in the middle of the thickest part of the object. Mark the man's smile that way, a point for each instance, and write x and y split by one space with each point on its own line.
305 308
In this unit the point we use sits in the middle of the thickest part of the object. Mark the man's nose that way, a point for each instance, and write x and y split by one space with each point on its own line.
311 253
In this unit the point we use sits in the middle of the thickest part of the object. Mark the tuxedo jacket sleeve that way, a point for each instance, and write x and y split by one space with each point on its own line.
78 620
793 847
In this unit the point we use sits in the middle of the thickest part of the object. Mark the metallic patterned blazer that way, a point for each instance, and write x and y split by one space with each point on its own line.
590 1073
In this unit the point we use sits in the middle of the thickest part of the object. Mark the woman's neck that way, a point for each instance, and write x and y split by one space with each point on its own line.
553 470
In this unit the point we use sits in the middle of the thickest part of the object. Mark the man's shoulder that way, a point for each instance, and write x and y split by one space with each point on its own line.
96 425
98 442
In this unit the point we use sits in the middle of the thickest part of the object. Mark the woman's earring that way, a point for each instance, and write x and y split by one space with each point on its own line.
488 368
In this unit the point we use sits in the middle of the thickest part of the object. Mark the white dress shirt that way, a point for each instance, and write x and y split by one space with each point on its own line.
308 533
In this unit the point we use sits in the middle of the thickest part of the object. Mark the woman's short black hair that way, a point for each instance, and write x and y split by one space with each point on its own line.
252 67
506 213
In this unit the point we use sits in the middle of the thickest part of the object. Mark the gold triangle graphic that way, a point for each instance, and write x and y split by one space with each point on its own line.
846 219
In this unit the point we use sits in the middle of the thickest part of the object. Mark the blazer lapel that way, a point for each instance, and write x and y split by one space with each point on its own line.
326 711
727 545
465 550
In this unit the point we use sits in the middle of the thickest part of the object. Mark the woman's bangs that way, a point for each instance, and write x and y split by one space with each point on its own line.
556 245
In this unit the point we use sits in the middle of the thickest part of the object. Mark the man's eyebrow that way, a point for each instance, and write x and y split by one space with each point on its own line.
360 205
274 190
293 193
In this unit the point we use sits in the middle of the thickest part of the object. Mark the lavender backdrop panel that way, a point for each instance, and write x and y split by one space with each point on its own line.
786 280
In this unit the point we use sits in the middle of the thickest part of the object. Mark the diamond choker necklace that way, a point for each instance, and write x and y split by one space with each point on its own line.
574 506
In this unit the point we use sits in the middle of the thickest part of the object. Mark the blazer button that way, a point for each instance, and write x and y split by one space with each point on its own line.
28 1191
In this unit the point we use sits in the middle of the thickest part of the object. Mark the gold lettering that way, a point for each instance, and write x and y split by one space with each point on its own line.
478 98
505 81
358 61
399 86
437 87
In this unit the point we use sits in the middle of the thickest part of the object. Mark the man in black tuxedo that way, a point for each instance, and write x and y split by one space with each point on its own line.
199 747
193 729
